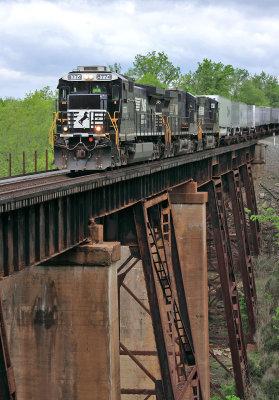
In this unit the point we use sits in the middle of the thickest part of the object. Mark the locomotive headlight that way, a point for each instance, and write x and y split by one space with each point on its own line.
65 128
98 128
88 77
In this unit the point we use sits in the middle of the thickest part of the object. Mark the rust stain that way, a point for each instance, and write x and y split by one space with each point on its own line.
45 308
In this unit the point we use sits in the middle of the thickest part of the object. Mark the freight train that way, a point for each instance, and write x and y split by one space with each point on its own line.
104 119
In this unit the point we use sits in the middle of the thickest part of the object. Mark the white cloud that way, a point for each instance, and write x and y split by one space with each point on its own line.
41 40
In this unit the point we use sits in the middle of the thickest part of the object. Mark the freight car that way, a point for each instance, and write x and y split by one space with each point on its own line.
104 119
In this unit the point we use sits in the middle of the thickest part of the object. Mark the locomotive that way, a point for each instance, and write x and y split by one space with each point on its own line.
104 119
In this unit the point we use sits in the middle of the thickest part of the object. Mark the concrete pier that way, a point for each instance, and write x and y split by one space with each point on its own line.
136 333
189 217
259 157
63 327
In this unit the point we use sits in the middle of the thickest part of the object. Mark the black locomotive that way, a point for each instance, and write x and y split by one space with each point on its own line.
105 119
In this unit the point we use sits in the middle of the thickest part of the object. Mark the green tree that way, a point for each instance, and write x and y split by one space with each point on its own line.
156 65
24 127
269 85
116 67
149 79
267 215
241 76
250 94
211 78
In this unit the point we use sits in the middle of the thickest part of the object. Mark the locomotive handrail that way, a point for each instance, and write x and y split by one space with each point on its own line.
199 129
115 127
51 131
168 129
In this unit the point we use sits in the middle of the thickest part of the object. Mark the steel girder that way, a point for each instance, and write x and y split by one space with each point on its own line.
225 275
232 185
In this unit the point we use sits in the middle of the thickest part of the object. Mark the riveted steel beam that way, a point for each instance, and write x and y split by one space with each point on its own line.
255 228
235 194
228 281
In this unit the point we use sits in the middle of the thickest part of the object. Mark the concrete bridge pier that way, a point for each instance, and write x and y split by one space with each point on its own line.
259 157
189 219
63 327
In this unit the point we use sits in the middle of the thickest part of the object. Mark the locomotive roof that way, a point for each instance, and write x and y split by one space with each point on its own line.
93 73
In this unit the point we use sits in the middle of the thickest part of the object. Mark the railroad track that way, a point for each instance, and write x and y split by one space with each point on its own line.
32 176
29 184
25 180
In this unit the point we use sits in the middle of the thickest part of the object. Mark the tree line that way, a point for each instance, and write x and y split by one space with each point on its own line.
209 78
24 127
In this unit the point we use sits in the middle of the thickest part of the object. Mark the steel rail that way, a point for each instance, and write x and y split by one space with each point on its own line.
38 175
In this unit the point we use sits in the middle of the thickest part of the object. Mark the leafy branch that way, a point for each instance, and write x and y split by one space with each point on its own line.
267 215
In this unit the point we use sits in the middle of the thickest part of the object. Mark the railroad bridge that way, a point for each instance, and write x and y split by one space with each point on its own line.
107 279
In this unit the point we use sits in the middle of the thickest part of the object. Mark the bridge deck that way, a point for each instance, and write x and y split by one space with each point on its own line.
40 221
52 189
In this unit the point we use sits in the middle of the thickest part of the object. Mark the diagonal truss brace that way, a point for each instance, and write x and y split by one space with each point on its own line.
169 313
255 228
247 273
219 224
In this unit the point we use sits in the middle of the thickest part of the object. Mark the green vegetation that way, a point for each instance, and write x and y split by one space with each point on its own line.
264 363
24 127
209 78
154 69
267 215
228 391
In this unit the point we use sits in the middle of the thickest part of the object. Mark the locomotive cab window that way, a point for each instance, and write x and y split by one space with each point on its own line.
115 93
63 94
84 101
98 88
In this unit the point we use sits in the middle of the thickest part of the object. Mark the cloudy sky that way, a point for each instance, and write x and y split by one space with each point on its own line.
41 40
